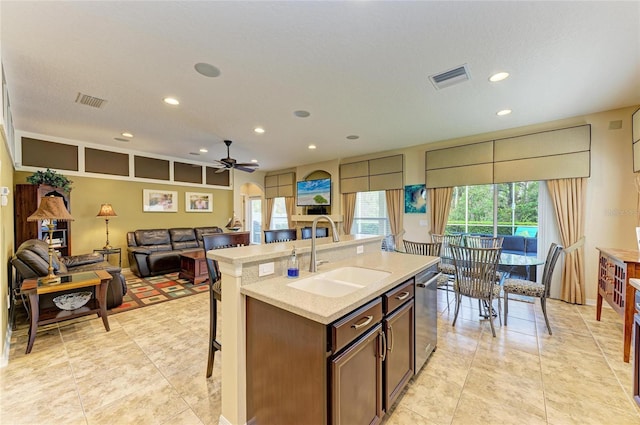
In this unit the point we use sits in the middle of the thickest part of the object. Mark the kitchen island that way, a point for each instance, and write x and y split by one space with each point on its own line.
243 277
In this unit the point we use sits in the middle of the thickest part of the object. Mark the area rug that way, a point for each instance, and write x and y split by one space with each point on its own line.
142 292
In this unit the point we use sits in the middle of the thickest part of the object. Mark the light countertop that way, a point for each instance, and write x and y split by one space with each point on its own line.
326 310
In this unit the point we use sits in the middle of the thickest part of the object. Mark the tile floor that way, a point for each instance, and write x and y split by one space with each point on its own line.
150 369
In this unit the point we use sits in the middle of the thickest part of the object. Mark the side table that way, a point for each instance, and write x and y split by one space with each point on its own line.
106 252
33 288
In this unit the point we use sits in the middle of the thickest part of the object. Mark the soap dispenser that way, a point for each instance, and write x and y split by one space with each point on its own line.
293 269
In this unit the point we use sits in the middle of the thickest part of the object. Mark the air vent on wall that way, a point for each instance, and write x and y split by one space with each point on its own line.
450 77
615 125
94 102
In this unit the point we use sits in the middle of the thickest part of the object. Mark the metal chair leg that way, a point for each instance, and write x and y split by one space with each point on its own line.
543 304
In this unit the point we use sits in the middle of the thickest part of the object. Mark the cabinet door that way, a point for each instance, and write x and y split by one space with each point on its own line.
356 381
398 365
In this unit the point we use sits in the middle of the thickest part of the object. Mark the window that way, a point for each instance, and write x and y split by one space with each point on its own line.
370 216
503 209
279 216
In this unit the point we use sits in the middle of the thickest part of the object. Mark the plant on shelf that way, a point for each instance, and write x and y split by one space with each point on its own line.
51 178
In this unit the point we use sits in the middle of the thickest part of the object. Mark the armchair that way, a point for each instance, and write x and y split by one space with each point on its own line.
32 260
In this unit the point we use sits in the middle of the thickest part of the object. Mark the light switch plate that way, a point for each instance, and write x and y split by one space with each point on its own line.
266 269
424 223
359 249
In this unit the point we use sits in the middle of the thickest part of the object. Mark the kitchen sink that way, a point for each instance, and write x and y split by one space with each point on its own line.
339 282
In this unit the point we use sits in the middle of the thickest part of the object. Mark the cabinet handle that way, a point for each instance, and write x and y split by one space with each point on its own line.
403 296
390 339
383 354
367 320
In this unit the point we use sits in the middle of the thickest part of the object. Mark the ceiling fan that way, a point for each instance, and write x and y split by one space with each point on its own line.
228 162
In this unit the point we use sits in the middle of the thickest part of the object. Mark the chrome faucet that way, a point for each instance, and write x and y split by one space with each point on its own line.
313 265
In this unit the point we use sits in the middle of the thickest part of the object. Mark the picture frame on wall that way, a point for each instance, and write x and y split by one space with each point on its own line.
155 200
415 199
198 202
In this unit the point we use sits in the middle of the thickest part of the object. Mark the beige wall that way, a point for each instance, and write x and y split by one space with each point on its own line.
88 231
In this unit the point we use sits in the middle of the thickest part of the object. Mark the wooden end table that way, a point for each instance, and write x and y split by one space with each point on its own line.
193 266
33 288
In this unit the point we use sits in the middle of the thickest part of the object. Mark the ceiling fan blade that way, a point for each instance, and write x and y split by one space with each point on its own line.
221 170
247 164
246 169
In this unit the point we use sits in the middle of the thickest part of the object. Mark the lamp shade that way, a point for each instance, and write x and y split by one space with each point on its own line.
51 208
106 210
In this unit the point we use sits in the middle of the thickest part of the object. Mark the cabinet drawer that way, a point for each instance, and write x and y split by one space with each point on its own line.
398 295
355 324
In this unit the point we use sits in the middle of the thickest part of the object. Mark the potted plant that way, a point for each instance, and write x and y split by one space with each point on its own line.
50 178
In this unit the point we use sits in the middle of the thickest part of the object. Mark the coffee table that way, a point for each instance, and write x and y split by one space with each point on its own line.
98 305
193 266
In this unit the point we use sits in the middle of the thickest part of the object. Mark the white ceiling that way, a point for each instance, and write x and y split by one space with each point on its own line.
359 67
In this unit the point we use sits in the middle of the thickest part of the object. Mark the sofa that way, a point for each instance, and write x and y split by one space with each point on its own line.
154 252
32 260
515 244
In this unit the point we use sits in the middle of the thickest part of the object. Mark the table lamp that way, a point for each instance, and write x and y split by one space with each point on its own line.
51 208
106 211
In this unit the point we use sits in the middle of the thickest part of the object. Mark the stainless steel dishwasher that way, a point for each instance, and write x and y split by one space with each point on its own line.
426 320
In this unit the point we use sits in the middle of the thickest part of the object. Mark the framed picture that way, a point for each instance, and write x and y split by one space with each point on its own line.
198 202
155 200
415 199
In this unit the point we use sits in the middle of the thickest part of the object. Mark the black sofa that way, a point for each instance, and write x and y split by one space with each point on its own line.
154 252
32 260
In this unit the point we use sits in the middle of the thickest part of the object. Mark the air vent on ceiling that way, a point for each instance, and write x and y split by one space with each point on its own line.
94 102
450 77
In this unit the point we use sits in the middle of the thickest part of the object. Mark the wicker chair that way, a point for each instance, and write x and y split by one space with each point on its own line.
475 277
533 289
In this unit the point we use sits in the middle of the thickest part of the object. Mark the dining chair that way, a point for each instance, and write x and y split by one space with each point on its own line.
446 267
422 248
280 235
321 232
534 289
483 241
475 278
209 242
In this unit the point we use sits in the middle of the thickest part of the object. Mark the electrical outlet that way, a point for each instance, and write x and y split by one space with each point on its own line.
266 269
360 249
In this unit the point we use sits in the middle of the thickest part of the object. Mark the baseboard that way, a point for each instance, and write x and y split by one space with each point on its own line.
223 421
4 359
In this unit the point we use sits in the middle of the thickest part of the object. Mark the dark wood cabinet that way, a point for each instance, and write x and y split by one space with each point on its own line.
348 372
27 199
356 381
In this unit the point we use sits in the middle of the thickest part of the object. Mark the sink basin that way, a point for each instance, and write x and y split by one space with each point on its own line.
339 282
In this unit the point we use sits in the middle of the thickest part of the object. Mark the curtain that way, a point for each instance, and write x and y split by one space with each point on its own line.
349 209
395 210
568 197
290 207
439 207
268 214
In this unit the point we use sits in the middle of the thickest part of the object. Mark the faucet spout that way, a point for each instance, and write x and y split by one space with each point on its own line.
313 266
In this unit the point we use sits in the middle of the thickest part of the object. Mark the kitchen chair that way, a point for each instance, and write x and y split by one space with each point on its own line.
483 241
422 248
475 277
209 242
446 267
280 235
534 289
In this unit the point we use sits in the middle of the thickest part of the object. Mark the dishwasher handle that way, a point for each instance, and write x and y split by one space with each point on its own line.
428 282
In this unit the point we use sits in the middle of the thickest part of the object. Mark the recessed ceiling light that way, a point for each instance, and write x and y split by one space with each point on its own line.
207 69
203 150
125 134
255 161
171 101
259 130
301 114
353 137
503 112
498 77
120 139
312 147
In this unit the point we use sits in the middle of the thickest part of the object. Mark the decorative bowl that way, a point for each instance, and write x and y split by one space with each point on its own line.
72 301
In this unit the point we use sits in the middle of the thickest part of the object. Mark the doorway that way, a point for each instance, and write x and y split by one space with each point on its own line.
254 217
